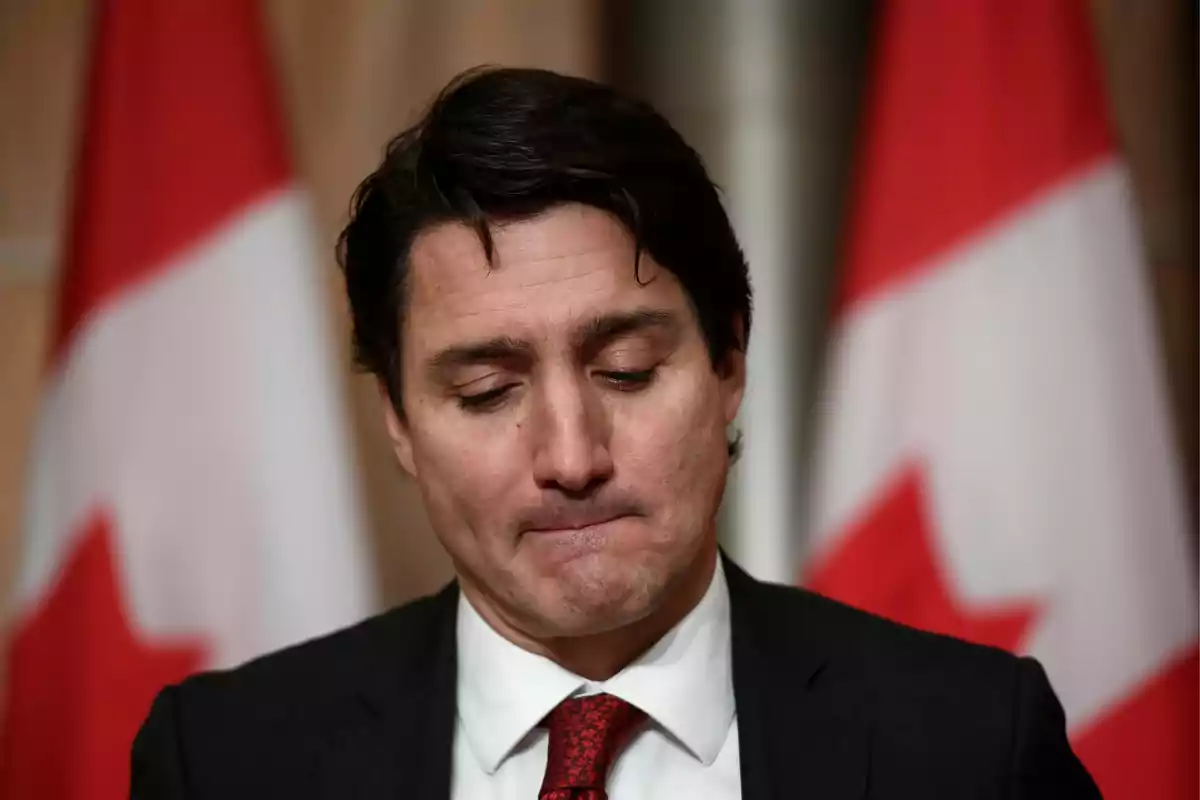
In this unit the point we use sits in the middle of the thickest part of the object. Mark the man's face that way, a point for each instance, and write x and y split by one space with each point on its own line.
564 422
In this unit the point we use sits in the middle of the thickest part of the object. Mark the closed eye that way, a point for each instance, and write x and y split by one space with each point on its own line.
484 401
627 381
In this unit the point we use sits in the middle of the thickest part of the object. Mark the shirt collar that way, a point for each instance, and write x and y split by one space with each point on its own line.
684 682
503 690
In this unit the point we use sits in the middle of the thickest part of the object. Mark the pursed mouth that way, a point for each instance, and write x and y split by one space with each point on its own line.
571 526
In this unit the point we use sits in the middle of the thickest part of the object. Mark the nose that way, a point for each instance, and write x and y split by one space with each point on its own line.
571 431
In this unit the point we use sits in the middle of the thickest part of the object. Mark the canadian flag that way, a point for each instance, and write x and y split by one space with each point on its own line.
191 502
996 460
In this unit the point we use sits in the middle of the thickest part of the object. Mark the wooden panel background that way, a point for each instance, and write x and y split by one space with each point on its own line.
355 71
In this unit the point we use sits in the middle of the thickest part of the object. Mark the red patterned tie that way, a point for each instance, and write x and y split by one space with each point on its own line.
586 733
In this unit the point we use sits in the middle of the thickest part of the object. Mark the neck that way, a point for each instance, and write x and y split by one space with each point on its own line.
599 656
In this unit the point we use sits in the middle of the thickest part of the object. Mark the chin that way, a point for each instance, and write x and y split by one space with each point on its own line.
601 592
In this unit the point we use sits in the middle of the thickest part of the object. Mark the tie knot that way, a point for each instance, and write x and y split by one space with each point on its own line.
586 733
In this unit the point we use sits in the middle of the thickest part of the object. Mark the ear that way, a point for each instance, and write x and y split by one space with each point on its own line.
733 375
398 432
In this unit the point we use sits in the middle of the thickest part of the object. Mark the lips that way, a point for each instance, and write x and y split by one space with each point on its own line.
573 523
585 537
558 516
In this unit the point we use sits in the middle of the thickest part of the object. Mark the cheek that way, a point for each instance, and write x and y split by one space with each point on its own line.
677 449
466 475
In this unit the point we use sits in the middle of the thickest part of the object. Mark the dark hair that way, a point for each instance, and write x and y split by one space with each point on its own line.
506 144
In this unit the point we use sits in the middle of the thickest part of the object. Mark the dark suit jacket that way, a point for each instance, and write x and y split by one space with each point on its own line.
832 704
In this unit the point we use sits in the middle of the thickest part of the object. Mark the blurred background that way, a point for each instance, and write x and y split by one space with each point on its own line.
353 74
771 92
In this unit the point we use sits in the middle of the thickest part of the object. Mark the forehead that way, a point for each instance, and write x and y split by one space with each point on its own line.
547 274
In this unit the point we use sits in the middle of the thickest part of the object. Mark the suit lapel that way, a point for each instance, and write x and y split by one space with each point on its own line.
396 738
801 711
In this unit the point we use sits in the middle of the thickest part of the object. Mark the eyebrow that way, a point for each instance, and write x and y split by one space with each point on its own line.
601 330
500 348
589 338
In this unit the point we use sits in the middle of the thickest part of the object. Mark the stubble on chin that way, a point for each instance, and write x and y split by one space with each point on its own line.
595 594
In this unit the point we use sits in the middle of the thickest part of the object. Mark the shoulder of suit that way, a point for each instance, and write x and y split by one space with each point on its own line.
888 651
397 640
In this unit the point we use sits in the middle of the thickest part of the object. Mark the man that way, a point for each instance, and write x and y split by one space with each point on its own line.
545 284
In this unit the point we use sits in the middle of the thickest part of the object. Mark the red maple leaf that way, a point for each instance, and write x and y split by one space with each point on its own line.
887 563
80 683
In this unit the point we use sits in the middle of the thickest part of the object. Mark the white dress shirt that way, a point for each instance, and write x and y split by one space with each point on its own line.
687 749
